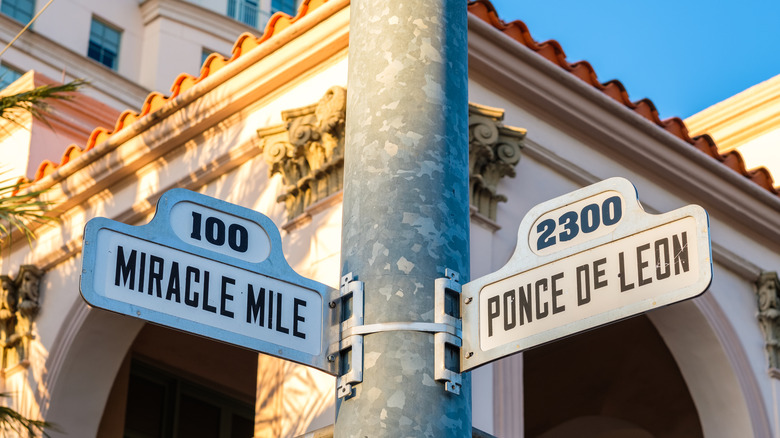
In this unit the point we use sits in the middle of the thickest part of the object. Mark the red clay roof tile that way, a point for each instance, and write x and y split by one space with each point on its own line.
483 9
183 82
553 52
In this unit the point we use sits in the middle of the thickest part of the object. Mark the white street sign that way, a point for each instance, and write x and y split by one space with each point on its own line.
583 260
211 268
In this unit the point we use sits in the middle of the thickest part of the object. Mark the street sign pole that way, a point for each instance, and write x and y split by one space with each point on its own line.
406 216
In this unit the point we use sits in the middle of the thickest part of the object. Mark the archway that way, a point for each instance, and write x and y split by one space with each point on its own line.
621 378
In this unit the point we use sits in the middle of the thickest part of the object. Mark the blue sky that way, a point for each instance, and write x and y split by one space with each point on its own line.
684 55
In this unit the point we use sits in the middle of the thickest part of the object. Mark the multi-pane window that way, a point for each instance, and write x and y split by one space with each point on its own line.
286 6
8 74
104 44
19 10
245 11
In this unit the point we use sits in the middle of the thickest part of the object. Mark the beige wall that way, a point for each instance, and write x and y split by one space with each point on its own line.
206 140
748 122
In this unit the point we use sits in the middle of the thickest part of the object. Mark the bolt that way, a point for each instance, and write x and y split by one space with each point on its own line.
138 313
332 304
468 300
469 354
331 358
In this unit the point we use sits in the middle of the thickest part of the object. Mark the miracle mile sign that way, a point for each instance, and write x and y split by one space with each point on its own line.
211 268
583 260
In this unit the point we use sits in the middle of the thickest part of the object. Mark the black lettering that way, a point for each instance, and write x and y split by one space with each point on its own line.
510 314
641 265
494 309
125 269
206 306
599 273
297 302
583 293
191 298
622 274
224 297
556 293
255 305
215 231
279 327
142 272
524 302
270 309
174 285
238 238
196 220
155 274
663 268
538 290
680 253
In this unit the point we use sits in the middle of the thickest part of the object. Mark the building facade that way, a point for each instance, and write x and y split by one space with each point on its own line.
263 127
746 122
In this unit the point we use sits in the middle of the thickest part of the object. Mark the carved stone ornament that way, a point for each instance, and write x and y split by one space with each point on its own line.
768 287
19 305
494 150
308 151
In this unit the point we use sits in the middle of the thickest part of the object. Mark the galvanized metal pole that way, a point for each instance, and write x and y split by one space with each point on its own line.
406 209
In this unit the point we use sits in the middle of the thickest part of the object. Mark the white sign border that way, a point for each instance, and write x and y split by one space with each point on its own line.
159 231
524 259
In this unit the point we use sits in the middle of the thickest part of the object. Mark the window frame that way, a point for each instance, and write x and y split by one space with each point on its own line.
5 68
14 4
280 5
106 29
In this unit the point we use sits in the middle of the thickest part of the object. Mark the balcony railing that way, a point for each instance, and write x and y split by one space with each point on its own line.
245 11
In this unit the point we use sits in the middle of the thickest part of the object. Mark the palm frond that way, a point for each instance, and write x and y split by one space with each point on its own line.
12 423
34 101
20 211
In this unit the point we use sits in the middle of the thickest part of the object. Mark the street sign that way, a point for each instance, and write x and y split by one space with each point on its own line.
211 268
583 260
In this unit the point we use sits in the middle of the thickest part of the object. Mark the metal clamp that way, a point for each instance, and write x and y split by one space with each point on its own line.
447 343
447 356
347 326
347 304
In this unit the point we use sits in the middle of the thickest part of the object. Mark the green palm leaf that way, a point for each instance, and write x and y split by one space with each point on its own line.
14 424
34 101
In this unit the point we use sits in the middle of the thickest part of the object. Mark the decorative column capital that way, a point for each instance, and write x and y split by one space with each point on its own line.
768 288
308 151
494 150
19 305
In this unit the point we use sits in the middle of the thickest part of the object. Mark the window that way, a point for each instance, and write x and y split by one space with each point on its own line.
19 10
8 74
104 44
286 6
160 404
245 11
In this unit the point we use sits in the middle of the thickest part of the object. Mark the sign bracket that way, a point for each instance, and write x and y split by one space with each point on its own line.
447 342
347 307
347 311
